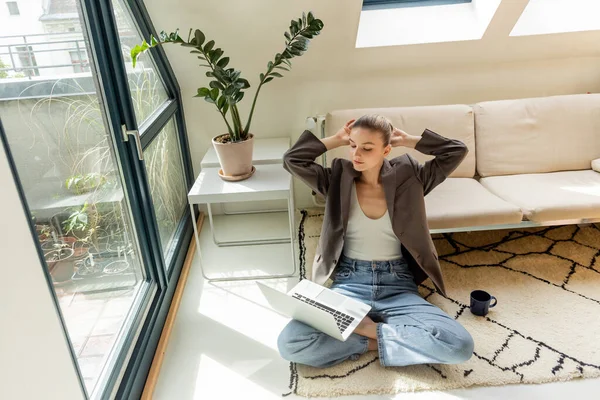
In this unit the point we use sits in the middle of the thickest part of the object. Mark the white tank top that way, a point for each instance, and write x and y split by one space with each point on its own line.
369 239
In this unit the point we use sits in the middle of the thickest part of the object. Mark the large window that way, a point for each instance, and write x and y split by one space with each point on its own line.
108 209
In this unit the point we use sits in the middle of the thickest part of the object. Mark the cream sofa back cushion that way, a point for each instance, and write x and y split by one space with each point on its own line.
452 121
535 135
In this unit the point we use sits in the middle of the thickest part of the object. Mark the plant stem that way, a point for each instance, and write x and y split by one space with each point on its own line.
225 119
263 81
252 109
238 124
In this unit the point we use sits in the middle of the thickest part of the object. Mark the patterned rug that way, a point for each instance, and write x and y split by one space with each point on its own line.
544 328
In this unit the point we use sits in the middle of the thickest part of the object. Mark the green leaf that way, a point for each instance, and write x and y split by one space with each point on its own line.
203 92
309 17
262 76
216 55
303 40
220 75
225 108
287 36
229 90
223 62
283 68
303 17
294 27
221 102
268 79
209 100
239 97
153 41
316 26
210 74
214 94
216 84
208 47
295 51
199 36
135 51
299 46
277 74
245 82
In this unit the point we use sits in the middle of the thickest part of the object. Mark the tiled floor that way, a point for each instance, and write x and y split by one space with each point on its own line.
223 343
93 323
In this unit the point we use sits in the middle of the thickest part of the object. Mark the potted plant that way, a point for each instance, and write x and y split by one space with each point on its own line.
226 90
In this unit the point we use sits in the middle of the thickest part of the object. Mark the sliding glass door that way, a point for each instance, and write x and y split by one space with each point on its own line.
99 151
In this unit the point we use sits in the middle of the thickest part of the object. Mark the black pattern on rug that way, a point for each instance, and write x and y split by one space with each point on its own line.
302 275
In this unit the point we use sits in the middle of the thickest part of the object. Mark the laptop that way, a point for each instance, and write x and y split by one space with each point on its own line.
331 313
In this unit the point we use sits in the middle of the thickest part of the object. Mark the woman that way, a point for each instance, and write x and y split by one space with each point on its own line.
376 246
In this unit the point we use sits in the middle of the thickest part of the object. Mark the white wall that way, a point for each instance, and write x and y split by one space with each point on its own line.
35 360
333 74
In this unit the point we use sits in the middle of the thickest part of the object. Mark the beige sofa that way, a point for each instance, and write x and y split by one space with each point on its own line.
529 162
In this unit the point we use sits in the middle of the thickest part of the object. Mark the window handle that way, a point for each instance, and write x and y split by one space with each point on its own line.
138 141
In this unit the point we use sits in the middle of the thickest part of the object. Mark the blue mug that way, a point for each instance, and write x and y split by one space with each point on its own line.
481 302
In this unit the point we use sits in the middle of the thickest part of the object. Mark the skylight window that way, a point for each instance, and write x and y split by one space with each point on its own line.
556 16
439 21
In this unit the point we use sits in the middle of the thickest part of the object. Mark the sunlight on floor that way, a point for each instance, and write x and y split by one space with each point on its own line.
241 307
213 377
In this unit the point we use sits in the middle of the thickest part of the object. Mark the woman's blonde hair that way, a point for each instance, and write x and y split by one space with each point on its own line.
377 123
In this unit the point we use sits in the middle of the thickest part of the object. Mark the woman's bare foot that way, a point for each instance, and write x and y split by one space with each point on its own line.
367 328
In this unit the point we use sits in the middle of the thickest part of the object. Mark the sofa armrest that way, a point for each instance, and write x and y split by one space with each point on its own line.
596 165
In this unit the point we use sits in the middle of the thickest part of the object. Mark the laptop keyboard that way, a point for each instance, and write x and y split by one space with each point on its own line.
342 320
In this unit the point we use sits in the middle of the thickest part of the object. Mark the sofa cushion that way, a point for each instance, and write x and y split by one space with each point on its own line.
452 121
546 134
552 196
462 202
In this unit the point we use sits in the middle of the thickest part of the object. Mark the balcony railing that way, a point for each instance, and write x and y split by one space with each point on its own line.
20 51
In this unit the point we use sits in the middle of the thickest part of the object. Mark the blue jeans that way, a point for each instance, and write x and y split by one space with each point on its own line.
410 330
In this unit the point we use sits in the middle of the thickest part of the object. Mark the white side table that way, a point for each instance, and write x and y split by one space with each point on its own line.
269 182
266 151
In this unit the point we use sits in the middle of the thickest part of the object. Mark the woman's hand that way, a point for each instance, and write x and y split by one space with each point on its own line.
343 134
402 139
341 137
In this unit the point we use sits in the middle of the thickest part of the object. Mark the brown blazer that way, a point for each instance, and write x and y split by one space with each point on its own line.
405 182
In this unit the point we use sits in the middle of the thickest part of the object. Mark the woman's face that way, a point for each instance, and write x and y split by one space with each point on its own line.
367 149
